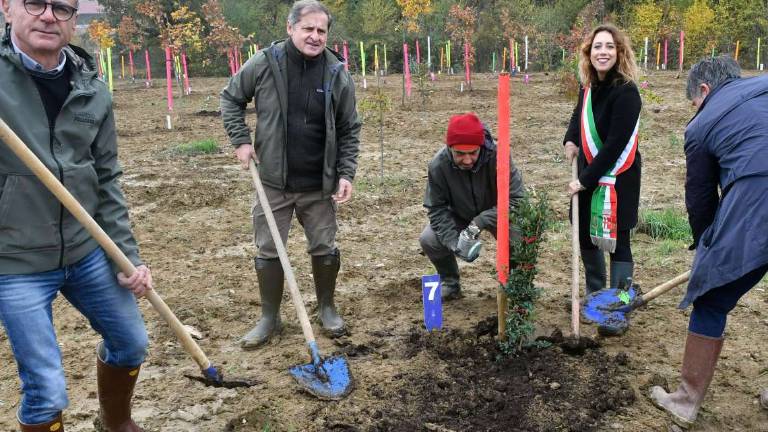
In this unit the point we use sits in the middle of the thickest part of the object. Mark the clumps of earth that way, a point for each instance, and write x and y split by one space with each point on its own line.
467 383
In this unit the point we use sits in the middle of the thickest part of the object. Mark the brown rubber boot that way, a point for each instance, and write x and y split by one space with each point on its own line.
764 398
55 425
115 385
324 270
699 361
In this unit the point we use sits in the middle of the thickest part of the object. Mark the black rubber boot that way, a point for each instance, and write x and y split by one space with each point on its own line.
448 270
270 275
594 269
620 272
325 269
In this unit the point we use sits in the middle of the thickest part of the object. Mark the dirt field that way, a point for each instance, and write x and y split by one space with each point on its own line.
192 218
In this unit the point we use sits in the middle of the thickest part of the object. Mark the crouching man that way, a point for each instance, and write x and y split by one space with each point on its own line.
461 198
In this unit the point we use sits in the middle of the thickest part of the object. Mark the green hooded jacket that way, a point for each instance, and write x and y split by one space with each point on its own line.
37 233
263 79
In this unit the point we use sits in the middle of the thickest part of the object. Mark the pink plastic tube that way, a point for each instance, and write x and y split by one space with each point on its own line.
168 80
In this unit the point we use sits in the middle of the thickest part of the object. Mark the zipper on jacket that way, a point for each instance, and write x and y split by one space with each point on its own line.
301 85
61 206
472 191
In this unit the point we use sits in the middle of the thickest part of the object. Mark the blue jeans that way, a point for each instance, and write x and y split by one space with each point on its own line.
25 309
710 311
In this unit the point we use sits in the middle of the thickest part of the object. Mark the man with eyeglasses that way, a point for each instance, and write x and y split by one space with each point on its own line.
461 199
51 97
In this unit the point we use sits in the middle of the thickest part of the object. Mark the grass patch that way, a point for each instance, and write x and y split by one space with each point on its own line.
674 141
194 148
665 224
390 183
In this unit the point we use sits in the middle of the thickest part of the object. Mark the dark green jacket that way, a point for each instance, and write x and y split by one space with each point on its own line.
456 197
263 79
36 233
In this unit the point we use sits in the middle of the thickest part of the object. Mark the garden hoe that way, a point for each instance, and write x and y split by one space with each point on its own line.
326 378
212 375
575 344
610 308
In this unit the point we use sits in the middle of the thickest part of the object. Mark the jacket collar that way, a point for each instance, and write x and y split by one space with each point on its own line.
77 58
709 97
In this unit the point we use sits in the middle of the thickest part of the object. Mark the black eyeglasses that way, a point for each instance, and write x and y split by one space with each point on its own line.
61 11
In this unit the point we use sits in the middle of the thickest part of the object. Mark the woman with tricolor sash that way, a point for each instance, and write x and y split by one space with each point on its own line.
602 135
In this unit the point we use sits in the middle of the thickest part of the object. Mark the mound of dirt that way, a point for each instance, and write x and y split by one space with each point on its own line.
474 386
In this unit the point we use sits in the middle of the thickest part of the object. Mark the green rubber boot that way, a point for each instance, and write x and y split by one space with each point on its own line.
270 276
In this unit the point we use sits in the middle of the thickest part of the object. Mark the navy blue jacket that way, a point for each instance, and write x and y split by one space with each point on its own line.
726 147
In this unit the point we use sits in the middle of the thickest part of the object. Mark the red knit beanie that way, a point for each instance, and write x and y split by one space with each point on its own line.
465 132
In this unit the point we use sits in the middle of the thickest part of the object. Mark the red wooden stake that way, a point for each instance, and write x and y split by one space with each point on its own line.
502 181
168 81
467 77
346 56
407 70
187 88
149 68
130 62
682 49
418 53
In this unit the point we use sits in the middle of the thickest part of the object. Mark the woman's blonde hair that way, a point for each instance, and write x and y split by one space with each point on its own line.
625 66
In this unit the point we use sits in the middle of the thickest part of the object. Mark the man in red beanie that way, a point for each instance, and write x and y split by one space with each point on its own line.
461 198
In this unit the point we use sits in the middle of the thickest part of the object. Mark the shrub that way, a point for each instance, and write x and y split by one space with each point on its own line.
530 219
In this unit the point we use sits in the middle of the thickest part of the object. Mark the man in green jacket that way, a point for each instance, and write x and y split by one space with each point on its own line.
461 198
306 143
52 99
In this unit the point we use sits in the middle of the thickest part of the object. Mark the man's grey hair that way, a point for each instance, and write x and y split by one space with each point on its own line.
302 7
712 72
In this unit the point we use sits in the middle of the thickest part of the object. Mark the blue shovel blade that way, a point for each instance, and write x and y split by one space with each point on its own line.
332 382
604 307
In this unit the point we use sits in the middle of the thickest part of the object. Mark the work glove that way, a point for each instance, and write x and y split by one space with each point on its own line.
469 245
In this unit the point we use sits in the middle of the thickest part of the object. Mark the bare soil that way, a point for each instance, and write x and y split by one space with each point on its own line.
191 215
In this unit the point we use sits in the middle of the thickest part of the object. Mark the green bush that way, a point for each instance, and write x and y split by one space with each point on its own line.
531 218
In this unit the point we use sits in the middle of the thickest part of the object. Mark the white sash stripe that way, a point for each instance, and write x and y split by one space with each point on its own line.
628 150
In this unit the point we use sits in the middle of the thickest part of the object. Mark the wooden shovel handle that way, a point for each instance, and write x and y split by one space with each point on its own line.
666 286
62 194
298 302
575 252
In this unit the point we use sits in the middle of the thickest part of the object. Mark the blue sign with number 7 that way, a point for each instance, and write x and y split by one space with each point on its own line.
433 304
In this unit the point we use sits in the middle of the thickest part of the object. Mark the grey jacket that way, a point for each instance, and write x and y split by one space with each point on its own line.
456 197
36 233
263 79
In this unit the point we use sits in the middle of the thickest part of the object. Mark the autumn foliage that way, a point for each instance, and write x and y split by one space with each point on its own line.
101 33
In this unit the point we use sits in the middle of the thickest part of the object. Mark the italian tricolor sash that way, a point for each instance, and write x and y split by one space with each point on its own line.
602 221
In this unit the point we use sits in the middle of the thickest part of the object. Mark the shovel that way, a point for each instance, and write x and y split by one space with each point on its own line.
610 307
575 251
212 375
325 378
575 344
